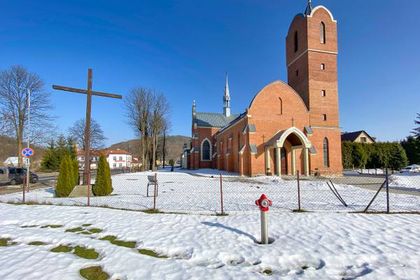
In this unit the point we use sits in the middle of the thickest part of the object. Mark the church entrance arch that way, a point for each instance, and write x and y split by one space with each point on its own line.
297 140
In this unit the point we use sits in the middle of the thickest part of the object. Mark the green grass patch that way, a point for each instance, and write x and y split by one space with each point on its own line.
122 243
151 253
52 226
95 230
152 211
4 242
76 229
113 239
94 273
86 232
37 243
85 253
86 225
62 249
267 271
30 226
108 238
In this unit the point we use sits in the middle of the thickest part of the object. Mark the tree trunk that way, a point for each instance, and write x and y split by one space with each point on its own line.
164 148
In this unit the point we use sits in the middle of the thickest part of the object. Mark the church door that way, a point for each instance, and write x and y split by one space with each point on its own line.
283 161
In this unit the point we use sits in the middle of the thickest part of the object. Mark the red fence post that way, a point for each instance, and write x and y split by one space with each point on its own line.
221 194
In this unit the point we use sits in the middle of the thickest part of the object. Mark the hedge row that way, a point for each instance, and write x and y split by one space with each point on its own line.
375 155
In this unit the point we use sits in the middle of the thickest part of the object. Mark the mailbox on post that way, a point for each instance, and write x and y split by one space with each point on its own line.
264 204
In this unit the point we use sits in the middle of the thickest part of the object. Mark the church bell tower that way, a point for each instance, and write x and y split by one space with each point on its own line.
311 51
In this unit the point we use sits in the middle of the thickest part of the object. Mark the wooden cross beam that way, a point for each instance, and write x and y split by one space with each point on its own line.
89 92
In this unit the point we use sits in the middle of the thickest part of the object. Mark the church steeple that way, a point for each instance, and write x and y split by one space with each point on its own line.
226 99
308 10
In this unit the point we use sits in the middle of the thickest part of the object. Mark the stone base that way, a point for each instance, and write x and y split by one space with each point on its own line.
81 191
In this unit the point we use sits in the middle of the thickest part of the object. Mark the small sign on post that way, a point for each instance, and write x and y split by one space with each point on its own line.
27 152
264 203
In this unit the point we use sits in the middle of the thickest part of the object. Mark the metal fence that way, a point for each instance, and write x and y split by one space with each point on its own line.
207 192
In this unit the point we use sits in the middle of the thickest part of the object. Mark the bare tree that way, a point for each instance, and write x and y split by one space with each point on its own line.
147 114
77 133
16 84
158 123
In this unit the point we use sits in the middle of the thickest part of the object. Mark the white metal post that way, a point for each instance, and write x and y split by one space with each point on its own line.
264 227
28 161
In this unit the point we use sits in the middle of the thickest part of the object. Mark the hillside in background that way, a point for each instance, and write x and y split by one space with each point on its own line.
174 146
8 149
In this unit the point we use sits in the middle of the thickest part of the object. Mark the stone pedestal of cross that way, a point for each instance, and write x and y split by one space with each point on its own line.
89 92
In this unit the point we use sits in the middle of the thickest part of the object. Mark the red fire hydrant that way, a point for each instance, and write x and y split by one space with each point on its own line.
264 203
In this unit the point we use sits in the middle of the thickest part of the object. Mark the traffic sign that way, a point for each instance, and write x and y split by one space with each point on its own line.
27 152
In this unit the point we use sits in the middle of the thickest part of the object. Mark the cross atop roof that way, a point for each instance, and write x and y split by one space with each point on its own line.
308 10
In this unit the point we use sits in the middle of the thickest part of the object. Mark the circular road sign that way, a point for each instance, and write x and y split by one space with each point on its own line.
27 152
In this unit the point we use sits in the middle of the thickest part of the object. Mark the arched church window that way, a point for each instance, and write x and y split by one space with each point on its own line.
281 106
322 31
326 149
205 150
296 41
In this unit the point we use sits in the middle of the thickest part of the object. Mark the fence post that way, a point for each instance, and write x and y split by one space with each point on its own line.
154 193
298 186
387 190
221 194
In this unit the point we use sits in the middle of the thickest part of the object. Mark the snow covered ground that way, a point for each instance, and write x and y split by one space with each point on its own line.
406 180
307 245
200 192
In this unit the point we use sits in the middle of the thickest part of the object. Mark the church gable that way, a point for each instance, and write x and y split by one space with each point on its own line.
276 100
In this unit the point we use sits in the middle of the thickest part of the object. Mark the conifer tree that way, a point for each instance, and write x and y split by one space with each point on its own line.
103 184
65 181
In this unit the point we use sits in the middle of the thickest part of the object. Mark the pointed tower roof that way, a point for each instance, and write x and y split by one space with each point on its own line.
227 93
308 10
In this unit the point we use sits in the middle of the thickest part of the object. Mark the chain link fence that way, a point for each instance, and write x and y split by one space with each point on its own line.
206 191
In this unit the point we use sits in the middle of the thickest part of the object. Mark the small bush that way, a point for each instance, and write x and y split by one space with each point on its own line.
103 184
65 181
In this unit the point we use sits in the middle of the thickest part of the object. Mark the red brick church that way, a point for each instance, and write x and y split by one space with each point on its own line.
288 127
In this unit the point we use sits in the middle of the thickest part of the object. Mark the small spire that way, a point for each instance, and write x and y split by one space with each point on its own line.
226 99
193 108
308 10
227 93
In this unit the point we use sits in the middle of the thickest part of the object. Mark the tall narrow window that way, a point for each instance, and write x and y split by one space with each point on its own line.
324 117
281 106
205 150
326 153
322 31
296 41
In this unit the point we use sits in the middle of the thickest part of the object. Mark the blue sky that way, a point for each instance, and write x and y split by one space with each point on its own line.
183 49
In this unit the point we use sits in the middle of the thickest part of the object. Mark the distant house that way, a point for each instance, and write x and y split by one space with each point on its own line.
360 136
94 158
118 159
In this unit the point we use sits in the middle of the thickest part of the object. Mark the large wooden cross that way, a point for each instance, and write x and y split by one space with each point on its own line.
89 92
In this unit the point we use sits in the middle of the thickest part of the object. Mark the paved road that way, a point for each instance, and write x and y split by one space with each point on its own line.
373 183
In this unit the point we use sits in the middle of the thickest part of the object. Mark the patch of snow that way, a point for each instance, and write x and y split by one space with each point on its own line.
307 245
405 180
